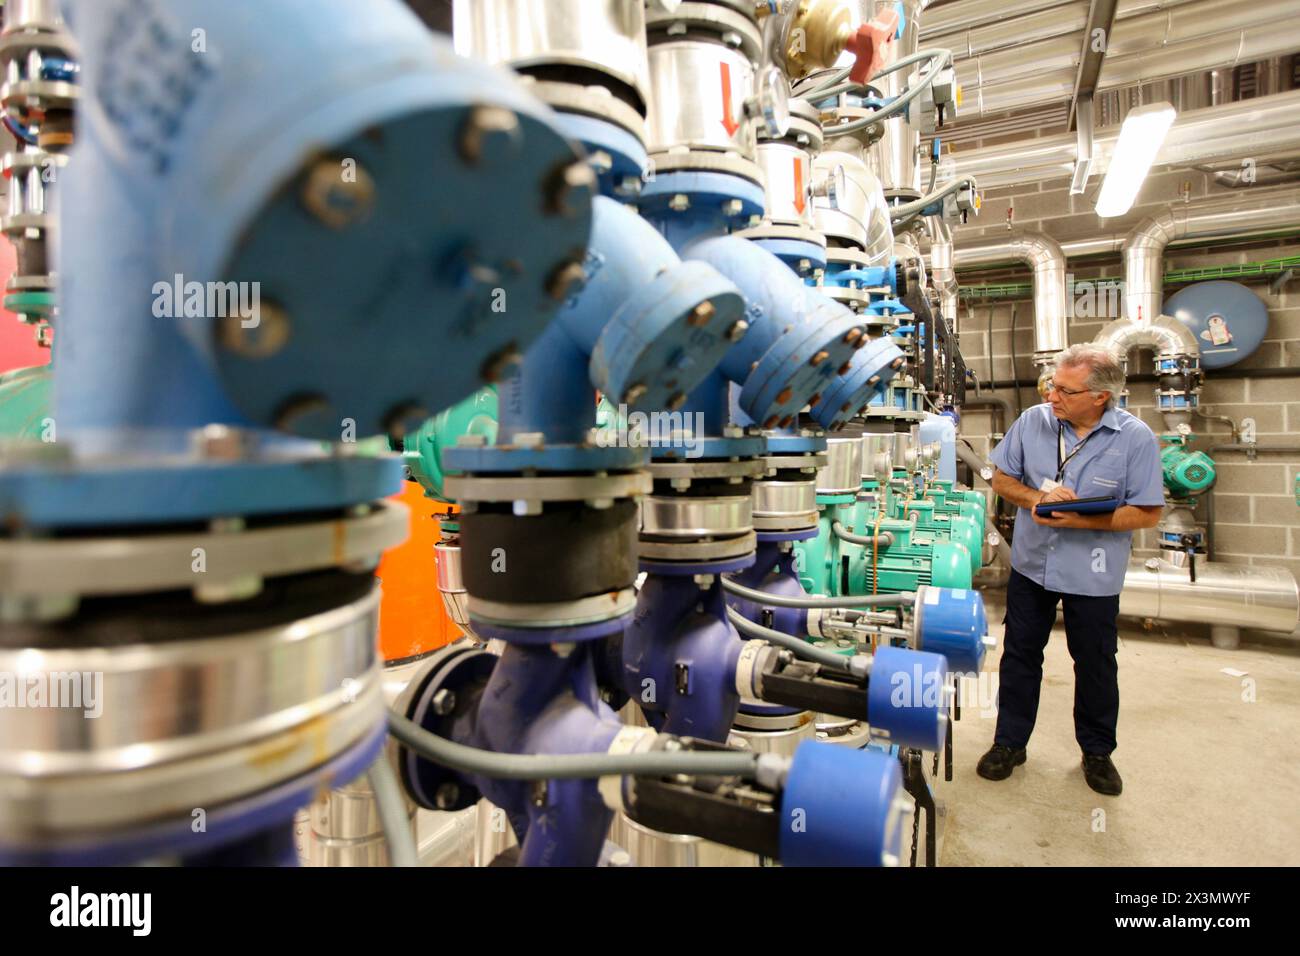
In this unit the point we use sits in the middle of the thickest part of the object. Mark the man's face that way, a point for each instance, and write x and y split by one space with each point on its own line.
1083 403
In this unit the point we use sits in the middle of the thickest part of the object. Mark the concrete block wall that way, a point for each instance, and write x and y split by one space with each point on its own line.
1257 520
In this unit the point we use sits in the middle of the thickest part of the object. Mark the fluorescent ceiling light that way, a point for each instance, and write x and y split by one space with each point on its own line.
1140 138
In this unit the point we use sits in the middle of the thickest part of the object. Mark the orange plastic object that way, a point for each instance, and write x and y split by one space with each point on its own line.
868 44
412 620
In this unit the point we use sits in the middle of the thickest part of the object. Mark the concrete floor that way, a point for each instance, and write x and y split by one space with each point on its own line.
1210 779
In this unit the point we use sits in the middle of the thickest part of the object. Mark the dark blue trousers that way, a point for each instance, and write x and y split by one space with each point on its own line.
1092 636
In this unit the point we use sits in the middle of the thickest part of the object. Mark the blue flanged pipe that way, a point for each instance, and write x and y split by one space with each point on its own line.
329 175
799 339
653 325
869 370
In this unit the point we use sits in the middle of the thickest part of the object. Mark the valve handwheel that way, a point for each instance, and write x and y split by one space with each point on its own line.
868 45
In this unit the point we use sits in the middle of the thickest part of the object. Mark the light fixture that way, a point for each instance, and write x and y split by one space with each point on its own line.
1140 138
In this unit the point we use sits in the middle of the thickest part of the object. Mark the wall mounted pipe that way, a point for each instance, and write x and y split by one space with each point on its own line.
1144 246
985 471
1007 411
1167 337
1046 258
1246 128
1159 46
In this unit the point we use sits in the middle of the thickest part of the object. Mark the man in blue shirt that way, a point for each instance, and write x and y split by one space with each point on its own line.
1076 445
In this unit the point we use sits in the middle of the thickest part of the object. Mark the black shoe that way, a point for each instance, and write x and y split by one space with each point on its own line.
998 762
1102 775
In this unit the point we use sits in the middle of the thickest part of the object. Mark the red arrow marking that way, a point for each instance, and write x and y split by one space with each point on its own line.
799 201
729 124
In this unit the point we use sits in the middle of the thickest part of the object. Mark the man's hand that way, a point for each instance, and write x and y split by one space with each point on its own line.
1056 519
1063 519
1059 493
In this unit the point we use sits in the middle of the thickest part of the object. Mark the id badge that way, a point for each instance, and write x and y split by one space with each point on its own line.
1048 484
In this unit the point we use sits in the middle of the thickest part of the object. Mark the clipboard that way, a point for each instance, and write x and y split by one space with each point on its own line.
1083 506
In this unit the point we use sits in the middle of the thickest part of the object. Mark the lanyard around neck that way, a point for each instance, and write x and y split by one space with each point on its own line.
1062 459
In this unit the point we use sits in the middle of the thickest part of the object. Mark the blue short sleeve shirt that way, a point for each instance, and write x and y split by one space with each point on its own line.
1121 457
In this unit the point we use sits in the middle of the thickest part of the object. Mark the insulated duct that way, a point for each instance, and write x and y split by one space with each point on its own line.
976 27
1255 128
1234 215
1044 256
1233 595
942 269
1189 38
897 155
1167 337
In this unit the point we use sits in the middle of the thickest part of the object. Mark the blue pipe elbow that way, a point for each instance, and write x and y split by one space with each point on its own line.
296 161
869 369
906 694
951 622
653 325
841 807
798 339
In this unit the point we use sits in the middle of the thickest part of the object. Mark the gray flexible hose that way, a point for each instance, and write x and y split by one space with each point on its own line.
833 85
866 540
779 600
472 760
914 207
809 652
903 101
391 805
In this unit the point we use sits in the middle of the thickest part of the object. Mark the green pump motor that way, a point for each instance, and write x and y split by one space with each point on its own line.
917 556
1186 472
829 565
949 500
422 452
25 403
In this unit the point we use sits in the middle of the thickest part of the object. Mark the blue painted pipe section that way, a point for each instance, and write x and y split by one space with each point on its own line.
715 204
642 318
201 164
797 341
905 697
536 702
773 572
838 808
679 658
548 392
869 369
653 325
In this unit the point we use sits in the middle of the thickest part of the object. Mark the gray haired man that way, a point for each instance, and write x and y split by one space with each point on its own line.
1078 444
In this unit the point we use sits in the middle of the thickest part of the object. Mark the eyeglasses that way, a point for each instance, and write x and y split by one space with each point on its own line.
1051 386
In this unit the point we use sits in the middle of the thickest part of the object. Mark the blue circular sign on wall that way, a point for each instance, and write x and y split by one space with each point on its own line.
1228 320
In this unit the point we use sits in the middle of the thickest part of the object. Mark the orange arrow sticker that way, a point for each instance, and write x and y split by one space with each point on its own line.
799 201
728 123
